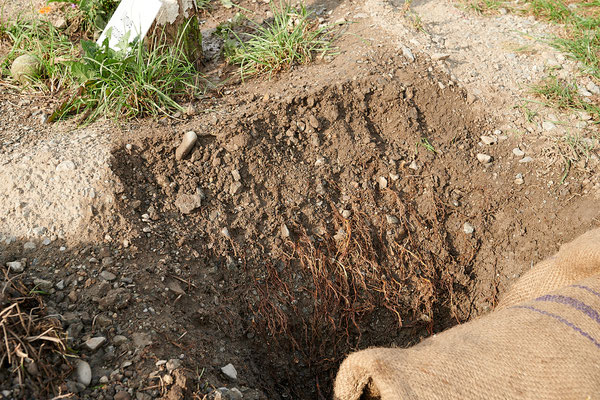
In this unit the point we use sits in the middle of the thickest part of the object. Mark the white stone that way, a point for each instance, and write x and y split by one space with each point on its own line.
489 140
16 266
83 372
518 152
484 158
187 144
95 342
468 228
229 371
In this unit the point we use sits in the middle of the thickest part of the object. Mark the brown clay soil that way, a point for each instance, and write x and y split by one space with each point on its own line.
332 208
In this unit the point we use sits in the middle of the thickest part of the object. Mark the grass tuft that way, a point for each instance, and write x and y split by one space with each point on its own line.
131 82
291 37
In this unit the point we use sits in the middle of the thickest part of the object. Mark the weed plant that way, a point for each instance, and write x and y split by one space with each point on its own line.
291 37
132 81
92 15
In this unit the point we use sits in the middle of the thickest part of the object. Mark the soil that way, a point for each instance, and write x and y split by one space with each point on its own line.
337 206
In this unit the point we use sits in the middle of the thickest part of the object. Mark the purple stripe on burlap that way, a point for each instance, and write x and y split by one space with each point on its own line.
587 288
564 321
573 302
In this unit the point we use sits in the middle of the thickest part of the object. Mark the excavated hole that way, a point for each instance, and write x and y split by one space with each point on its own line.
344 231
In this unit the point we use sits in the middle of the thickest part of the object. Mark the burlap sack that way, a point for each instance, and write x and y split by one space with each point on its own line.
575 261
545 348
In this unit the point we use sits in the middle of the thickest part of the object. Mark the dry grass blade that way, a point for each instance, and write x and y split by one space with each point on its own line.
32 346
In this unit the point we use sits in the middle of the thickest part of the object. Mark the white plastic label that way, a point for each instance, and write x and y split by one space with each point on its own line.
133 16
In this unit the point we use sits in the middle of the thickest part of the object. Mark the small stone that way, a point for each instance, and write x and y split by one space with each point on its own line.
187 144
526 160
468 228
72 296
235 394
548 125
440 56
285 232
129 146
408 54
29 246
392 220
173 364
43 284
46 242
122 396
314 122
229 371
95 342
346 213
167 379
340 235
104 379
108 276
413 165
67 165
16 266
489 140
160 362
25 67
236 175
235 188
186 203
519 179
383 183
141 339
83 372
518 152
593 88
394 177
225 232
484 158
119 339
108 261
60 285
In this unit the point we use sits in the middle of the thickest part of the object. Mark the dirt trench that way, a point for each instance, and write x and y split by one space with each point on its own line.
352 215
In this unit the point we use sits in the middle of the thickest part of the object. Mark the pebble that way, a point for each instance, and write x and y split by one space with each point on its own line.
413 165
383 182
394 177
519 179
468 228
95 342
484 158
103 379
16 266
229 371
518 152
141 339
60 285
285 232
43 284
346 213
526 160
408 54
108 276
83 372
392 220
236 175
548 125
119 339
66 165
489 140
173 364
122 396
440 56
187 144
235 188
235 394
225 232
29 246
186 203
593 88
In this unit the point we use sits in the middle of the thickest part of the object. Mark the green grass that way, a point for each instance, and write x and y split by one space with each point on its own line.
484 6
91 15
292 37
43 41
132 82
563 95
